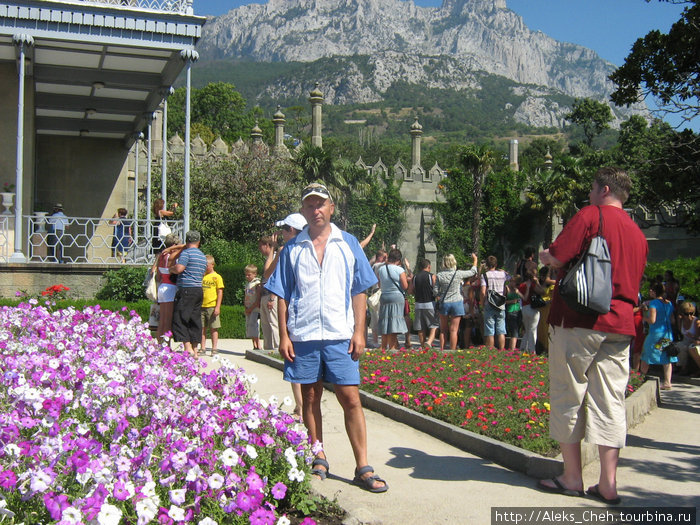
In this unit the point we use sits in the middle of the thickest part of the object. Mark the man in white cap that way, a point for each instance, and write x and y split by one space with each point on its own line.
320 279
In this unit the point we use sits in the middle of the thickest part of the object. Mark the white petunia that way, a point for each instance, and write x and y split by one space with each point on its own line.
146 510
250 450
287 401
71 515
273 399
178 496
12 450
207 521
215 481
109 515
40 481
252 379
229 457
283 520
176 513
194 473
290 456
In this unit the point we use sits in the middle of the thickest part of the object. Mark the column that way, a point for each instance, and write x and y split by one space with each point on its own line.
189 56
149 204
416 134
23 42
513 155
166 92
137 144
316 99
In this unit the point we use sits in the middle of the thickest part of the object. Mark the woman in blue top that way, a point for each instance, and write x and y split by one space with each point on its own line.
393 282
658 314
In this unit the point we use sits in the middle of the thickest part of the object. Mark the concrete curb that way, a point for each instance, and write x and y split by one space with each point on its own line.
638 406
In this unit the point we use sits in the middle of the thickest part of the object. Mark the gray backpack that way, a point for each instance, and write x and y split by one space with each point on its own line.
587 286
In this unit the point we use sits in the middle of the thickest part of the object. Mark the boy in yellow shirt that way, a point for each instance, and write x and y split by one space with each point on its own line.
213 294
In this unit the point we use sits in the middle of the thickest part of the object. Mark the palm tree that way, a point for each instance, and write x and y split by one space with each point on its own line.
557 192
341 177
478 162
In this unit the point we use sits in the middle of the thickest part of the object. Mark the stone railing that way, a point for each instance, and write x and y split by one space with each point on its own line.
171 6
84 240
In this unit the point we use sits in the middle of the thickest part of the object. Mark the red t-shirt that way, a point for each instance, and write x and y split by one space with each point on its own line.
628 254
523 288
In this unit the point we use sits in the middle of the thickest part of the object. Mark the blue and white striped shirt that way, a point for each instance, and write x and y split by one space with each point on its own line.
195 263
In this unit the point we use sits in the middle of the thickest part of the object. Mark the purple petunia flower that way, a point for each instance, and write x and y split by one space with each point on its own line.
279 490
8 479
244 501
262 517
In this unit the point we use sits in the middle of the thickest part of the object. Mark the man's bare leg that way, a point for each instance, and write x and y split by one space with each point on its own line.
572 478
349 398
607 485
311 411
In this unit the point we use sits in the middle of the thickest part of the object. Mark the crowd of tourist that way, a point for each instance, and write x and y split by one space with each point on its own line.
321 303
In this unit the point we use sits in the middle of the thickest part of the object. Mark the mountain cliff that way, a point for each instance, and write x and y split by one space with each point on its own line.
441 47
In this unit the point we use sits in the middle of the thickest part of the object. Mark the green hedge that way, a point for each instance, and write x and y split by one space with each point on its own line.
687 271
232 317
125 284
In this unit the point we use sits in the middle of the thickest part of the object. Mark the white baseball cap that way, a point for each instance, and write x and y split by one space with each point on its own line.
295 220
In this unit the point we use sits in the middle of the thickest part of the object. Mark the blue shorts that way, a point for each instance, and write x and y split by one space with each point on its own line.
494 321
327 360
455 309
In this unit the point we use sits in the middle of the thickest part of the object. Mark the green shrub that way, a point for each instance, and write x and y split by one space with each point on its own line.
124 284
234 282
687 271
231 252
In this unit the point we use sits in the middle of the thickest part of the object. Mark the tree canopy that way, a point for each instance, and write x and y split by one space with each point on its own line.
592 116
665 66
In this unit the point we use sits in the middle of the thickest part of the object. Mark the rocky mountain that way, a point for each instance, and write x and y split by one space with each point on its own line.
441 47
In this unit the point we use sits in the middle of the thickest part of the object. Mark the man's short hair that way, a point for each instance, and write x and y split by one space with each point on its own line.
423 264
491 262
251 268
211 260
192 237
616 179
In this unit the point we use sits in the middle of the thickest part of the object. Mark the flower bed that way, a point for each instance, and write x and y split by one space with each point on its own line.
100 424
500 394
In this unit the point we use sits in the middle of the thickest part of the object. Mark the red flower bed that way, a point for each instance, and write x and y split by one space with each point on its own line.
497 393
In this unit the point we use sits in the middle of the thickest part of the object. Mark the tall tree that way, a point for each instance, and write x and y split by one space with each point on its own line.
341 177
592 116
556 192
665 66
478 161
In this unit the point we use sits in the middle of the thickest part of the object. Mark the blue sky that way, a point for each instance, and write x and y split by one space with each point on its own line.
609 27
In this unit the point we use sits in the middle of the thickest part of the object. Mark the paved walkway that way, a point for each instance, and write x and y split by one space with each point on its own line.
432 482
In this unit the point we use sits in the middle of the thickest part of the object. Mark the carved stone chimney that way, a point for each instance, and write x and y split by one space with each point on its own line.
416 134
513 155
316 99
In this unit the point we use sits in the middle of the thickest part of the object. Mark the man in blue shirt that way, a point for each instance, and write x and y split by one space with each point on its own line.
191 266
320 279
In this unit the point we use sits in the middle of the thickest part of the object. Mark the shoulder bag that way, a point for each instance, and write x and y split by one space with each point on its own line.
151 286
587 286
495 299
536 300
438 300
